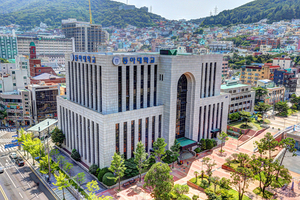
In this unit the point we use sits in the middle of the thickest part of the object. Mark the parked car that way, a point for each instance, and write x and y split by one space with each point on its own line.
1 169
13 155
20 161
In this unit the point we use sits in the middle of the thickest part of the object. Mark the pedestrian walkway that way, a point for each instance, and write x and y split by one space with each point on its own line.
59 193
2 148
78 169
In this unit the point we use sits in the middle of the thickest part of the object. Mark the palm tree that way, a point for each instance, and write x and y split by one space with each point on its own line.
196 174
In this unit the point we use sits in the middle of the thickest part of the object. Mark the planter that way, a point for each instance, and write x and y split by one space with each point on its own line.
228 168
193 185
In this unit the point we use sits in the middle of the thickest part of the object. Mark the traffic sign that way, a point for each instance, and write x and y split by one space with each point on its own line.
14 136
14 141
37 157
8 146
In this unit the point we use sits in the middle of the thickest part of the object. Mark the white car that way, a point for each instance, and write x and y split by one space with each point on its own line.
13 155
1 169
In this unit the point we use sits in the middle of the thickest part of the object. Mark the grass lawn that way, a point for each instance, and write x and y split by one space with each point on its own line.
253 124
278 183
236 195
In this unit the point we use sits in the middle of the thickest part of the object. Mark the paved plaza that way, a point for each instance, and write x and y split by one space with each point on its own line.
183 173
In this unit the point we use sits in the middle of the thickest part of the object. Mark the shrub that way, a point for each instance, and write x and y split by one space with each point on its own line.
204 184
97 172
107 181
195 197
215 142
93 169
224 183
131 169
211 195
225 194
75 155
102 172
203 144
184 197
197 150
209 144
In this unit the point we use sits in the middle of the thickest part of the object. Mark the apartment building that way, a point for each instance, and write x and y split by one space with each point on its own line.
8 47
276 93
251 74
283 62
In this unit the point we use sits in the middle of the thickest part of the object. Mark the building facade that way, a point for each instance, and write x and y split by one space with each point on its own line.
18 107
251 74
287 79
242 98
283 62
225 68
8 47
114 101
276 93
87 37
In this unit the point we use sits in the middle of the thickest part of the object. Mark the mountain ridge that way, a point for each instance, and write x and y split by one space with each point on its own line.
106 12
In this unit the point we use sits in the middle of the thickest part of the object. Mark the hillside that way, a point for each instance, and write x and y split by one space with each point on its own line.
273 10
105 12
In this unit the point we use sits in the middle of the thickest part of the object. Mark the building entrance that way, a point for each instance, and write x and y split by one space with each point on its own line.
181 106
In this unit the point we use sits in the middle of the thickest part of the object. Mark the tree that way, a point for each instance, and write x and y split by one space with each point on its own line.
159 180
175 152
68 167
140 158
57 136
215 181
62 161
54 153
93 169
117 167
44 165
207 161
245 116
196 175
288 144
61 182
256 166
80 178
282 108
180 190
267 144
223 137
260 92
262 108
241 179
243 159
159 148
234 116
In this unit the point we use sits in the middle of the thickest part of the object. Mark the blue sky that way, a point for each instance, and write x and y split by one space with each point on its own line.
186 9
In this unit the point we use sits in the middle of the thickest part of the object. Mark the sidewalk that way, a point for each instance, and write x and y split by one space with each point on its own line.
77 169
54 188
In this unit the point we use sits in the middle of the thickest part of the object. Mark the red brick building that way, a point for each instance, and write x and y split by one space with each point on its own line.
272 42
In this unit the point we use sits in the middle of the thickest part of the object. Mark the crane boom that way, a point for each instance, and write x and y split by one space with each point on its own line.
91 20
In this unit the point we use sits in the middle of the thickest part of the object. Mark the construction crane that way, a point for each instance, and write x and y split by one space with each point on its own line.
91 20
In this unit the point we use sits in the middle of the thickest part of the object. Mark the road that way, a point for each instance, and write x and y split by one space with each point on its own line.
19 182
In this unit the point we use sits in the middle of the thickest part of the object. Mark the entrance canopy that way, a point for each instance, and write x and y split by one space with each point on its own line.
186 143
216 130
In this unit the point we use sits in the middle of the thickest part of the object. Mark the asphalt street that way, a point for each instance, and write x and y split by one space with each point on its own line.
18 183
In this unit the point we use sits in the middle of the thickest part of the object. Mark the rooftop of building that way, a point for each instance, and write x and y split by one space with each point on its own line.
45 76
42 125
232 84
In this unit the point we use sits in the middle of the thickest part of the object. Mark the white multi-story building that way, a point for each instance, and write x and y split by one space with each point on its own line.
283 62
115 100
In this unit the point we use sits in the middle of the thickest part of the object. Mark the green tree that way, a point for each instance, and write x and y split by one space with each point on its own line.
234 116
159 181
75 155
223 137
209 165
260 92
267 144
93 168
215 181
80 178
62 161
262 108
61 182
54 153
68 167
180 190
196 175
282 108
241 179
245 116
117 167
288 144
44 165
159 148
175 149
57 136
140 158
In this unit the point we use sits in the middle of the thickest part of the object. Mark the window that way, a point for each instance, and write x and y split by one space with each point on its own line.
14 84
24 77
127 88
13 72
117 138
132 137
120 88
125 140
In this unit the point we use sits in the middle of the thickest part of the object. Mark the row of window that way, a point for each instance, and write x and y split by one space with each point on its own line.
236 104
241 97
208 73
145 87
207 120
129 133
85 85
240 109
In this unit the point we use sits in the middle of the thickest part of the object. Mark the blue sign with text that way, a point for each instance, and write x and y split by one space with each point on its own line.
138 60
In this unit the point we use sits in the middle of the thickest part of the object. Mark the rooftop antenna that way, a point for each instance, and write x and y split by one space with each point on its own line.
211 13
216 10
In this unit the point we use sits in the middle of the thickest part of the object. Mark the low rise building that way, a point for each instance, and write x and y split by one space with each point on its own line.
251 74
44 103
275 94
283 62
18 107
225 68
242 98
288 79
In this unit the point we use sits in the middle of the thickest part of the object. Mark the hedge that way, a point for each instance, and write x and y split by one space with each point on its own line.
107 181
